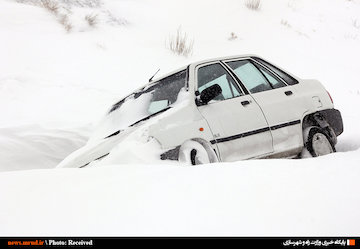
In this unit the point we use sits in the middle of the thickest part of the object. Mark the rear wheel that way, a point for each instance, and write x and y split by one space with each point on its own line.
196 152
318 143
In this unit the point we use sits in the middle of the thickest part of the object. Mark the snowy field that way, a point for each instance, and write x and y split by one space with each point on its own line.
62 69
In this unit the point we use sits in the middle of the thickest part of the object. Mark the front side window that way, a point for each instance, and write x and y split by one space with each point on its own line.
216 74
250 76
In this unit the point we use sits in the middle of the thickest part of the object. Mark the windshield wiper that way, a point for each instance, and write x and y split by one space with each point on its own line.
143 119
150 116
114 134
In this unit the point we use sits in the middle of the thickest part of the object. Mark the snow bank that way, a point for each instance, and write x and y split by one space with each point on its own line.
310 197
32 147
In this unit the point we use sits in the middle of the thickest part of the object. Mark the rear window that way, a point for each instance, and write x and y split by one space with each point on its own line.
287 78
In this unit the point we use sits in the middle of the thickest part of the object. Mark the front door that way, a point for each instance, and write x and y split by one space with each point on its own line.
238 125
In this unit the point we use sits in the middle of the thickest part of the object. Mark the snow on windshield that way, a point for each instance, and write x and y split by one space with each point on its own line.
148 101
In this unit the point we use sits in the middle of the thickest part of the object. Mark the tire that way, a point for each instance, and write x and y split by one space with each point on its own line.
318 143
194 152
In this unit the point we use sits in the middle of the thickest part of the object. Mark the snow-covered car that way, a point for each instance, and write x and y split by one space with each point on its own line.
223 109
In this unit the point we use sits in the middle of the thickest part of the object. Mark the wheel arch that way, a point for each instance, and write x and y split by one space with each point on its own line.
329 120
173 154
209 149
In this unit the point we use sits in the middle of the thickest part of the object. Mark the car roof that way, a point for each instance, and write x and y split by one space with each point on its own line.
223 58
196 63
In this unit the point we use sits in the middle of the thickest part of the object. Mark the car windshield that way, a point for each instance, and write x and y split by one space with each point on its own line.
148 101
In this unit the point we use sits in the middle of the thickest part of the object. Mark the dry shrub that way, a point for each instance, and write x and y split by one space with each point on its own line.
69 3
355 24
232 37
64 20
84 3
285 23
91 19
55 8
180 44
50 6
68 27
253 4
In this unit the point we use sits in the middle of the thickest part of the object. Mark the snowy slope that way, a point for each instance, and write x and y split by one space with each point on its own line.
56 84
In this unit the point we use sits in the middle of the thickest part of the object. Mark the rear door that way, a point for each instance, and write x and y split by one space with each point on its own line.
239 127
278 101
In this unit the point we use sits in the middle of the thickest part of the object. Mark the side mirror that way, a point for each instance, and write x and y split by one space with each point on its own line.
210 93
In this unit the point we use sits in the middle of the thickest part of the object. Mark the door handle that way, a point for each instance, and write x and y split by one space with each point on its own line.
288 93
244 103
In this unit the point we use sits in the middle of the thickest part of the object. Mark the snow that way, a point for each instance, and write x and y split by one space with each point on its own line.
57 85
128 113
277 198
35 147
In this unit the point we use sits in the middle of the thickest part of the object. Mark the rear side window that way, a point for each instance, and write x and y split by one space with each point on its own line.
250 76
272 79
287 78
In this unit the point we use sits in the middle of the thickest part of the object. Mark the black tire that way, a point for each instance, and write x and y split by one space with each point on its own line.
193 153
319 143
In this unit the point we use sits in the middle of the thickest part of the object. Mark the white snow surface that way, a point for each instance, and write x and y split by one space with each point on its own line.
56 86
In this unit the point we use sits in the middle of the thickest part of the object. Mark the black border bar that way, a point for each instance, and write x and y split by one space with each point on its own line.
221 242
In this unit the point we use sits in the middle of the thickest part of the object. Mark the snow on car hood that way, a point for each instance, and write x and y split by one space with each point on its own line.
137 145
118 142
131 111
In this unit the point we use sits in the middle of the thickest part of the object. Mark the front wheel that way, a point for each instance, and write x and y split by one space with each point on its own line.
318 143
196 152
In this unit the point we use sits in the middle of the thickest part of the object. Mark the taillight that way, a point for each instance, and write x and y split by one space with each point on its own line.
330 97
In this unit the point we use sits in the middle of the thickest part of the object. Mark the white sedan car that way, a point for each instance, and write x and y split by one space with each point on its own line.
223 109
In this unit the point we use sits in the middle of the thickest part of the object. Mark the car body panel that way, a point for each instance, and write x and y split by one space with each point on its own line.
233 135
270 125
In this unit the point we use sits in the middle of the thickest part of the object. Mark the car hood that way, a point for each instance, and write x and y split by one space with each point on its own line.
101 145
94 150
110 133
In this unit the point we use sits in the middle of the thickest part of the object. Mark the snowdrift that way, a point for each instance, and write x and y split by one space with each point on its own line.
309 197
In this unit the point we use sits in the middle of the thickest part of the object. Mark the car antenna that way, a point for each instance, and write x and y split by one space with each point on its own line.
154 75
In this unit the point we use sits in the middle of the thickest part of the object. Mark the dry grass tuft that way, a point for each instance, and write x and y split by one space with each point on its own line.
355 24
232 37
50 6
64 20
91 19
285 23
180 44
253 4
